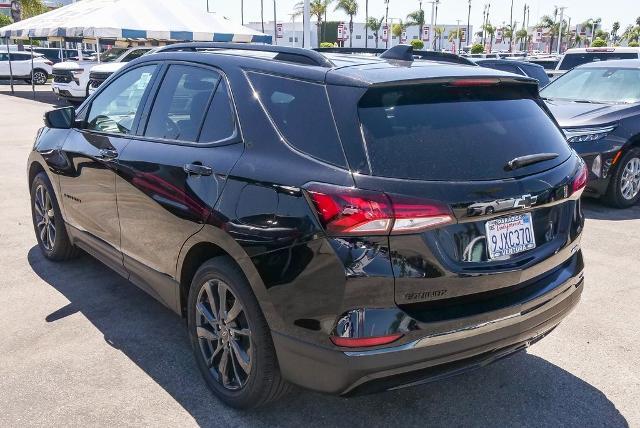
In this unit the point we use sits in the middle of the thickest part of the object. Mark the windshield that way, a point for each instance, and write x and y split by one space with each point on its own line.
112 54
597 85
575 59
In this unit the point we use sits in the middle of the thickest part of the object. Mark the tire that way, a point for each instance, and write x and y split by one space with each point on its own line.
624 185
54 241
40 77
490 210
239 389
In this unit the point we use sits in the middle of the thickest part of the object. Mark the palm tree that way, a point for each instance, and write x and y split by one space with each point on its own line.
438 36
416 18
521 36
375 25
614 31
350 7
491 32
318 9
549 24
592 24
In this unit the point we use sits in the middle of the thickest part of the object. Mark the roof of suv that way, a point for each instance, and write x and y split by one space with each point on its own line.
617 63
335 68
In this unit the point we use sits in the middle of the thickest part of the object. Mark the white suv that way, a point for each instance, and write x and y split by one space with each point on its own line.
71 79
578 56
21 67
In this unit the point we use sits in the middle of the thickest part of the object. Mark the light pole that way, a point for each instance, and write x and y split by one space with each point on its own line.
262 14
366 24
511 27
562 8
459 36
386 23
307 24
468 33
275 23
435 23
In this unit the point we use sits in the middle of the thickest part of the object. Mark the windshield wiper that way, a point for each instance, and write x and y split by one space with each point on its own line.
527 160
585 101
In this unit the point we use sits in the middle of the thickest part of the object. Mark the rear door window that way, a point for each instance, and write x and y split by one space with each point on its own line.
302 114
433 132
220 122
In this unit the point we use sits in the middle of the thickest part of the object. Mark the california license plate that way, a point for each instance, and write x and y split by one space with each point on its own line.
510 235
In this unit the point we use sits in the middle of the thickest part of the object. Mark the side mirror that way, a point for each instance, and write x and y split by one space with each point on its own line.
62 118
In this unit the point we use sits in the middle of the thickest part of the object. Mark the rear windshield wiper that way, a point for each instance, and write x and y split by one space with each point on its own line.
527 160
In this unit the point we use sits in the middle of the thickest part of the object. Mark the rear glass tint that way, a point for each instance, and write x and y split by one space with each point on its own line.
433 132
575 59
302 114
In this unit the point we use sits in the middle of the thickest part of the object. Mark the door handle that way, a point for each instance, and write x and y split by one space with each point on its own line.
107 154
196 169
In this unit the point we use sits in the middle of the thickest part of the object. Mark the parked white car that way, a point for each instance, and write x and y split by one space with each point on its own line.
100 73
71 79
21 67
578 56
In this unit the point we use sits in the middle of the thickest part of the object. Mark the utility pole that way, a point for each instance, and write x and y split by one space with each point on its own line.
431 29
242 12
386 23
307 24
468 33
366 24
562 8
435 23
511 28
262 14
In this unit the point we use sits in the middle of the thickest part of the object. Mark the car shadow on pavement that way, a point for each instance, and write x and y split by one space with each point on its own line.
42 95
597 210
521 390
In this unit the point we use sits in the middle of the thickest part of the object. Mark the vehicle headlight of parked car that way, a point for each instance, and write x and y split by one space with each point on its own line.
580 135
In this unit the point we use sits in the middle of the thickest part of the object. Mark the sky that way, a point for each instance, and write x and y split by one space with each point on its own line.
625 11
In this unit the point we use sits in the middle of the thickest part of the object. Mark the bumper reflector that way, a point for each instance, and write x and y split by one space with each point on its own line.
363 342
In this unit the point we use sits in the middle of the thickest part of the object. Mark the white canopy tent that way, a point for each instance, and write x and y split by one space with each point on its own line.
132 20
163 20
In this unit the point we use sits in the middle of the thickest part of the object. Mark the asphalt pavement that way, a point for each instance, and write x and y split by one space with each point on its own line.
80 346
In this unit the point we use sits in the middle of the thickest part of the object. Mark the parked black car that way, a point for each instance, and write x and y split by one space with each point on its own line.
598 107
522 68
343 223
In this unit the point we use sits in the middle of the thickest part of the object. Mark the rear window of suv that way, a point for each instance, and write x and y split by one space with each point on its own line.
435 132
575 59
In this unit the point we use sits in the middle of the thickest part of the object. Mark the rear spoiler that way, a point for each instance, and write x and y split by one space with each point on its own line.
424 55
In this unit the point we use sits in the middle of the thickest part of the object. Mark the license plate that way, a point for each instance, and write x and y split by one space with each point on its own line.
510 235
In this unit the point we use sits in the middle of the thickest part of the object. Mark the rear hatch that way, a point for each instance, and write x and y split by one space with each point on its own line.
486 152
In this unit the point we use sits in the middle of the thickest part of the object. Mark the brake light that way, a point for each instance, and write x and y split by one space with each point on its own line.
600 50
349 211
580 180
474 82
363 342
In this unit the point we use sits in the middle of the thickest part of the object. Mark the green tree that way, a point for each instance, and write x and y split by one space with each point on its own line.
634 44
592 24
397 29
318 9
599 43
417 44
416 18
491 32
521 36
349 7
5 20
614 31
477 48
375 25
549 24
32 8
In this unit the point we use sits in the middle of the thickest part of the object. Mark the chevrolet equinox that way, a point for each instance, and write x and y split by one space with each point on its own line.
345 223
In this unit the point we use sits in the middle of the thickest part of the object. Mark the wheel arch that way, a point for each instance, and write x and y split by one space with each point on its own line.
212 242
35 168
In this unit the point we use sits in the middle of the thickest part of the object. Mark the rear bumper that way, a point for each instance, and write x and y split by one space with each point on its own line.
430 357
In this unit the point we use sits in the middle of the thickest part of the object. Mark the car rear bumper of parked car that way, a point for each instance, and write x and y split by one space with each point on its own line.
430 357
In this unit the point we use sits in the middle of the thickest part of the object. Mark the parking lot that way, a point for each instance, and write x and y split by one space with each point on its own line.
81 346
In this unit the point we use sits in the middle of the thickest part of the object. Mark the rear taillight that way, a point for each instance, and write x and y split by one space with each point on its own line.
474 82
580 180
349 211
363 342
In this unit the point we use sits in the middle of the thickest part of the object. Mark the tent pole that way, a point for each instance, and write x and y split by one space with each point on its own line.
61 52
33 83
98 48
10 67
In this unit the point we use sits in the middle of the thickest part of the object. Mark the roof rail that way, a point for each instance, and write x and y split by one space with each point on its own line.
284 53
427 55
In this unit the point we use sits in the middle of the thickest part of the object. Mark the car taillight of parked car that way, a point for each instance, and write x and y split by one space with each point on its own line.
580 180
345 211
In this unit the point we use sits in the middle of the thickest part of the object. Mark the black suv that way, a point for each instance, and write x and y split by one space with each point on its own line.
345 223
